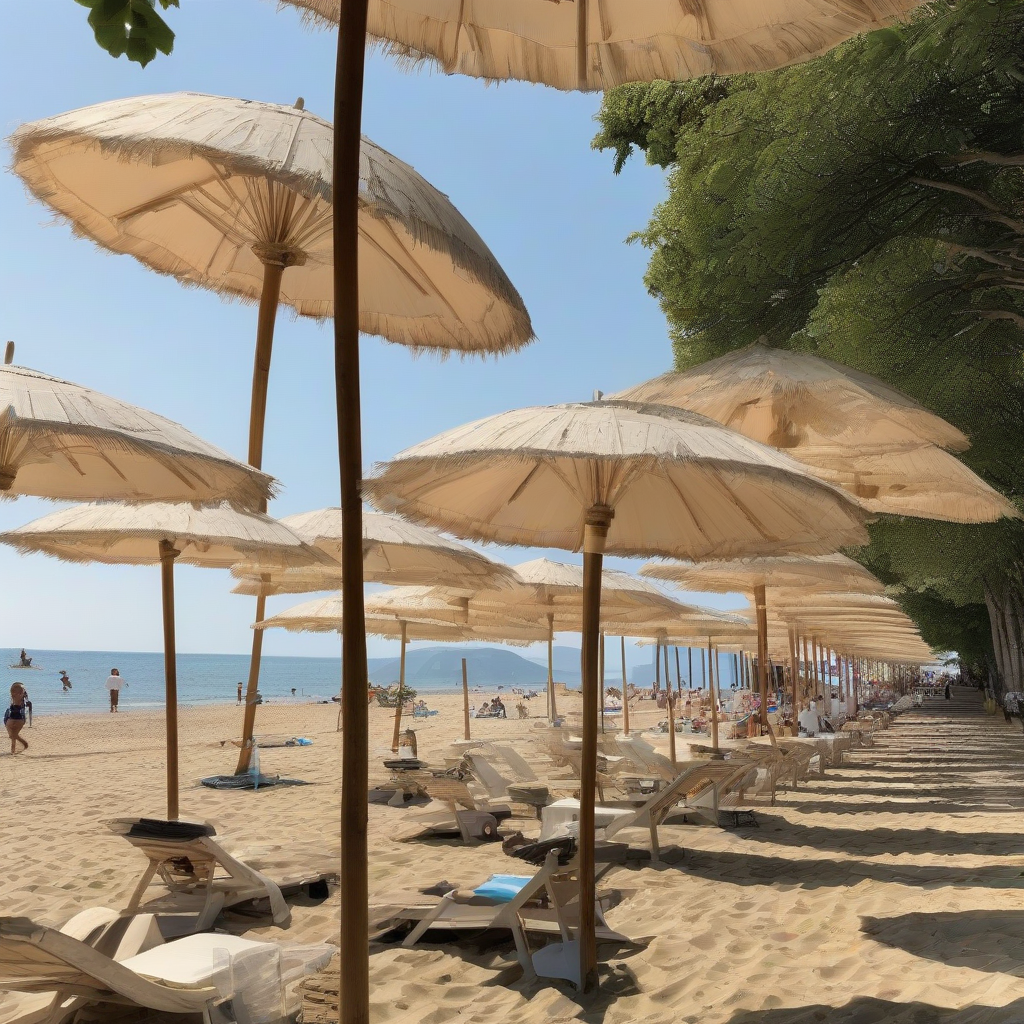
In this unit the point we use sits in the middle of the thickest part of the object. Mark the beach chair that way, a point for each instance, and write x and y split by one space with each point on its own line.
201 878
222 977
701 788
545 904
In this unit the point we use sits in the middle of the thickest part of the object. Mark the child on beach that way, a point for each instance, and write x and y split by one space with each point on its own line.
114 686
14 716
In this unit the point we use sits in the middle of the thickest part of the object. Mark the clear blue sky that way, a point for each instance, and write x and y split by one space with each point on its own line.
515 159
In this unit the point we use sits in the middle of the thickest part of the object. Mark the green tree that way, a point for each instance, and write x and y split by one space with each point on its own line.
869 207
131 28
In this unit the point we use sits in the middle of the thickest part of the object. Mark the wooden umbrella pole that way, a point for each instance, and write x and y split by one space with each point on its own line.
168 553
679 675
354 997
465 700
251 690
671 728
689 667
582 78
270 296
600 673
714 701
668 674
762 653
657 666
553 711
703 677
625 688
401 688
595 533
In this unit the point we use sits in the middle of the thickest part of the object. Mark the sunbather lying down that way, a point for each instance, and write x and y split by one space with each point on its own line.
102 959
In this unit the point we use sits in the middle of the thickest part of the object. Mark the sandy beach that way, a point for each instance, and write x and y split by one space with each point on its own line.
888 890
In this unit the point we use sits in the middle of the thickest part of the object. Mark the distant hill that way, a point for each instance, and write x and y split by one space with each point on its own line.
486 666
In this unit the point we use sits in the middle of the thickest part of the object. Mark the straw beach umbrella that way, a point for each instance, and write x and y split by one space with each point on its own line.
394 552
599 44
324 615
236 196
64 441
578 50
754 576
159 533
620 477
852 429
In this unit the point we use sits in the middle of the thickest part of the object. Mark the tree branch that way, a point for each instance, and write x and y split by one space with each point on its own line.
997 314
974 156
995 214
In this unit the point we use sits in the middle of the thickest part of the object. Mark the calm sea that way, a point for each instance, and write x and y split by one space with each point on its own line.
202 678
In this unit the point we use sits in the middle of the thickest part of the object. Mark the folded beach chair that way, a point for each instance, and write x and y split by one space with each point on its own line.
223 977
546 903
201 878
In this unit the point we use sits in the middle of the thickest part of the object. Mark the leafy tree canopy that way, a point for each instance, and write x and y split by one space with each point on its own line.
869 207
131 28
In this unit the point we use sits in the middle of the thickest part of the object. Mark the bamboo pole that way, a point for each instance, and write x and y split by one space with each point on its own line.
551 667
671 728
354 995
760 604
625 690
596 526
581 45
270 296
168 553
714 699
465 700
401 688
668 674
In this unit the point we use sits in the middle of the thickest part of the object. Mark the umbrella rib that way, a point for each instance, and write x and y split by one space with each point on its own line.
741 506
158 201
366 236
689 511
437 291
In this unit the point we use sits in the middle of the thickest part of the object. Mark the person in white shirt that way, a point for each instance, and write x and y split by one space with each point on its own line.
114 686
809 722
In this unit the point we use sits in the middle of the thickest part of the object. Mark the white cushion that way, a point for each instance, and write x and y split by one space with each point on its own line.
193 960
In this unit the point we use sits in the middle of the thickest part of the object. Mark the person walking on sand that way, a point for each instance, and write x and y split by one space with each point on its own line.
949 692
114 682
14 716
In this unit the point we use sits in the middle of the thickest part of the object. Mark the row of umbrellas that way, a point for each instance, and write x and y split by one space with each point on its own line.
592 44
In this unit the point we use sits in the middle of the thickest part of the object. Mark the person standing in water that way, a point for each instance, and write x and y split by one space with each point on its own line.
14 716
239 693
65 680
114 682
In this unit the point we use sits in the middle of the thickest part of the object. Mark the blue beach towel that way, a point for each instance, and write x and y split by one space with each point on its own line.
502 888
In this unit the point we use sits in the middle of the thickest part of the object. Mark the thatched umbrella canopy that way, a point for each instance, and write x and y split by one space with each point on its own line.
599 44
621 477
394 552
158 533
755 576
236 196
65 441
852 429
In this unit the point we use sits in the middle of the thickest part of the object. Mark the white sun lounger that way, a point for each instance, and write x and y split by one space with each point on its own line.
194 974
200 877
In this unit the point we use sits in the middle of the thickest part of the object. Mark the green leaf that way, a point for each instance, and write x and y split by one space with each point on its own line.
131 28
